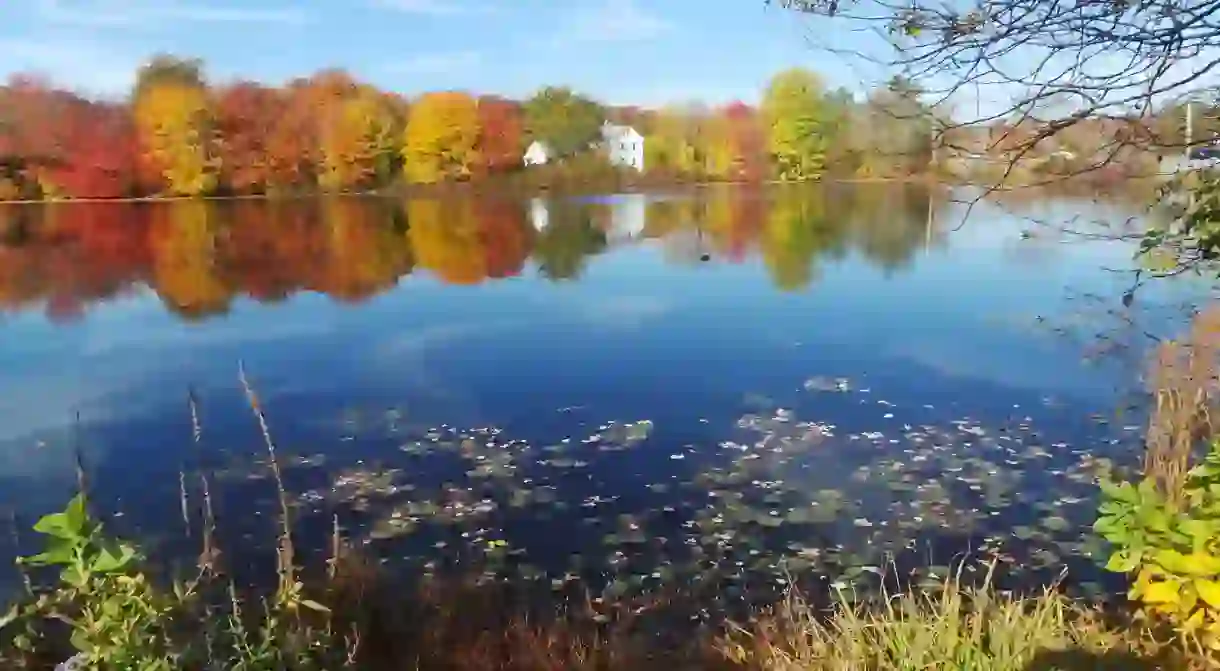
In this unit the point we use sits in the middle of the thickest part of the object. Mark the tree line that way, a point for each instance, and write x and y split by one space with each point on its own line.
177 134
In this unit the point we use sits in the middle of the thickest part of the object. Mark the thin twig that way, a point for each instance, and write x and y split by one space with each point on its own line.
287 568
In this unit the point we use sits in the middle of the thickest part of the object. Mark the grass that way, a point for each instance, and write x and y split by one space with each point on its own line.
954 627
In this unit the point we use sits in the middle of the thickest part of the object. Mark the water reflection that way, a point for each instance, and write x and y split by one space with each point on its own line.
537 330
199 257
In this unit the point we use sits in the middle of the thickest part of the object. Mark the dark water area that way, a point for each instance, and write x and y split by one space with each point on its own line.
724 389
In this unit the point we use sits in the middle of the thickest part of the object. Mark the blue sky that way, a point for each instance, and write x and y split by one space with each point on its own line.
621 51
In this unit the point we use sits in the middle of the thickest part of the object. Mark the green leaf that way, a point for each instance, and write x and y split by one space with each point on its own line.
11 616
80 640
55 524
111 559
1195 565
1198 531
1154 518
58 551
1119 491
1122 562
73 576
76 515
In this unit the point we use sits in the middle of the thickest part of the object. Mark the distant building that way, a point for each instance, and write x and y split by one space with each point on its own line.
624 146
538 153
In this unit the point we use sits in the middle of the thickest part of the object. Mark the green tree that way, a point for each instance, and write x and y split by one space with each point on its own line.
798 123
565 121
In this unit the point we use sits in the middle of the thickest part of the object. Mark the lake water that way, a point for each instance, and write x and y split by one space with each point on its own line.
715 387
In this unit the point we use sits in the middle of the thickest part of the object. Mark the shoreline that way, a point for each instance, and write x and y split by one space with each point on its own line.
577 188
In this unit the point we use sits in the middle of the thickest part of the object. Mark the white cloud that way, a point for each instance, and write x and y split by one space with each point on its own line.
437 63
80 65
627 311
432 7
146 13
614 21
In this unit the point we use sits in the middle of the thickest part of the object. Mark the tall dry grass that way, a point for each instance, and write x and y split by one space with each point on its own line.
1182 379
954 628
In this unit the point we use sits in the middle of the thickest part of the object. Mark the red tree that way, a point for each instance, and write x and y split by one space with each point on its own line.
99 154
749 142
71 146
248 115
501 127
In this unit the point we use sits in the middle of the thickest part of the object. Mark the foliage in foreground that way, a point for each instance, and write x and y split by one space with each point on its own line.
1164 526
119 619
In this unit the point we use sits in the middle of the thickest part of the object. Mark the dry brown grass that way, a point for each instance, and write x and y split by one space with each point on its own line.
1183 377
957 627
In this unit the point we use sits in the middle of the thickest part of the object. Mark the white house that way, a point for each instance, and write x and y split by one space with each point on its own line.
624 146
537 153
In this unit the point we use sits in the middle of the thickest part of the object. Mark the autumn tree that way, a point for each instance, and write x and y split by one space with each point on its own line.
796 123
176 124
63 146
673 144
358 139
442 138
563 120
247 114
297 151
99 155
501 127
292 145
32 115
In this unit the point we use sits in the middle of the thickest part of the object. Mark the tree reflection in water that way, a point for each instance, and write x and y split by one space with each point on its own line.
199 256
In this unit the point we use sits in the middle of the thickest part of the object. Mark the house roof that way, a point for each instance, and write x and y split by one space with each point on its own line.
612 131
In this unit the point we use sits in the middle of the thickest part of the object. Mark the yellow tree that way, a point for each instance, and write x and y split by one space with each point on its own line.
358 141
670 146
442 138
176 125
797 124
716 147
